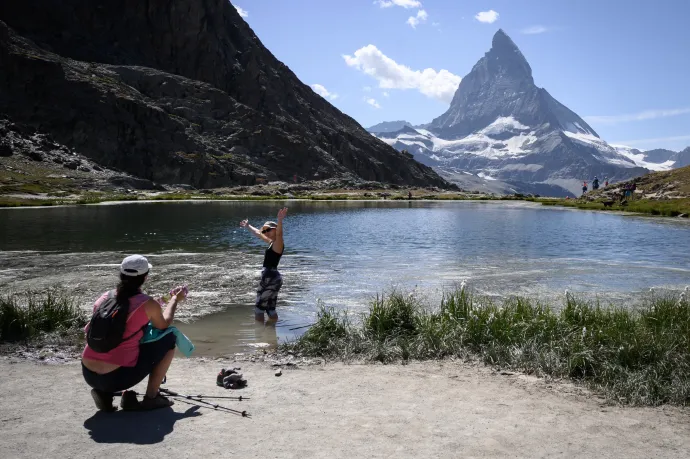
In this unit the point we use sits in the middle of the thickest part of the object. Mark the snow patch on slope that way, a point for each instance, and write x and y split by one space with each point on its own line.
481 143
639 158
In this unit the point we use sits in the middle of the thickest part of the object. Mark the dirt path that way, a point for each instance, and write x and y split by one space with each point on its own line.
418 410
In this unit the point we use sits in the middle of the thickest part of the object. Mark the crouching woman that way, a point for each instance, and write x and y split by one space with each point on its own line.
129 362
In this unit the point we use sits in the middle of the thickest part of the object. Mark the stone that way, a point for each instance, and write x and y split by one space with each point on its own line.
134 183
35 155
5 150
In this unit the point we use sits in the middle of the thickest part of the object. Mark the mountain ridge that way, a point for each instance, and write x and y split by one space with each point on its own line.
179 91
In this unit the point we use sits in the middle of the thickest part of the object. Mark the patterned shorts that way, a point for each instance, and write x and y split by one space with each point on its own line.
267 293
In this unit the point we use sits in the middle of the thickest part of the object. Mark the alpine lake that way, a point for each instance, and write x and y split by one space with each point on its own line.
339 254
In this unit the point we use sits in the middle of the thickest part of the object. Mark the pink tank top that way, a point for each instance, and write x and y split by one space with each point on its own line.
127 353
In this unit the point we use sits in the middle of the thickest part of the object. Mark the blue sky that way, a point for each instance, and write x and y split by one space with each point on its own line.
622 65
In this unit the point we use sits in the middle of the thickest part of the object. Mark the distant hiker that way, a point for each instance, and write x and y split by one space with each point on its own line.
271 280
595 184
584 188
606 183
409 195
633 188
114 359
627 190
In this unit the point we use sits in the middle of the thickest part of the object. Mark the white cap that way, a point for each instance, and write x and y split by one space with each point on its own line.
135 265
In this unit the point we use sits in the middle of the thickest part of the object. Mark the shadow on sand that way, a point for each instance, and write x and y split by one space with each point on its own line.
137 427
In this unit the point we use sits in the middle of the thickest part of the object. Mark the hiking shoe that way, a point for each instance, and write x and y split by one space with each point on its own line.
224 372
103 400
129 401
219 378
156 402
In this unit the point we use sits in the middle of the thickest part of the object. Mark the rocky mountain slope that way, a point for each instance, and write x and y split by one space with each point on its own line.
658 159
178 91
502 128
662 185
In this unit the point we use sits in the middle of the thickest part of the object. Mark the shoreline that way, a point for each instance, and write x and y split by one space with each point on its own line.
631 356
276 199
664 208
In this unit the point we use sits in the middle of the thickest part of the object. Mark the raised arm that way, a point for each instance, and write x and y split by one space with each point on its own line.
256 232
278 244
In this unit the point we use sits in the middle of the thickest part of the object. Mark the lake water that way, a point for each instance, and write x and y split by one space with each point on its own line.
339 254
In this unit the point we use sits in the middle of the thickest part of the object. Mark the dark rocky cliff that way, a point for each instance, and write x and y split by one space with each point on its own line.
178 91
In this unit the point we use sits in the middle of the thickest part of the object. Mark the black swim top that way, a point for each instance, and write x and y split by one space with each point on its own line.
271 258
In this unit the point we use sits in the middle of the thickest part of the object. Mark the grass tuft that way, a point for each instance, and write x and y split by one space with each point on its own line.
23 317
637 356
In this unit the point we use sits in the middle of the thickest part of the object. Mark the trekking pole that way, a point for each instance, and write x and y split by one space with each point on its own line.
214 405
224 397
190 397
195 402
183 398
240 398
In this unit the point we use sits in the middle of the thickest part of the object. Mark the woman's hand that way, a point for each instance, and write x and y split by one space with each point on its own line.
282 213
180 293
244 223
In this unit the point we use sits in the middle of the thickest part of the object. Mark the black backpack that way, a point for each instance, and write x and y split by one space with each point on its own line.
107 325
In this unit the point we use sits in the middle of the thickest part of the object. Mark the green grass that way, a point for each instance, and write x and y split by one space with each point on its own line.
664 208
20 202
637 356
23 317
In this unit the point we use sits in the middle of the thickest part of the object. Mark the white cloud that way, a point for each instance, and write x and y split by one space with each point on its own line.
641 116
242 12
372 102
415 20
403 3
534 30
488 17
323 92
367 89
385 94
439 85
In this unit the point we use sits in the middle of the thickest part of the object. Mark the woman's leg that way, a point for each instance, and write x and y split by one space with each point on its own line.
272 316
272 300
158 373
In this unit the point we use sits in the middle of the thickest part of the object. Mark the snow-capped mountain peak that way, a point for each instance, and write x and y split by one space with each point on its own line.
501 125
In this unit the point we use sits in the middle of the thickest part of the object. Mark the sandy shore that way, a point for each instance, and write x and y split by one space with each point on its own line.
420 410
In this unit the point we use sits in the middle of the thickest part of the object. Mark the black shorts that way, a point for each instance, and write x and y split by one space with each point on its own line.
150 354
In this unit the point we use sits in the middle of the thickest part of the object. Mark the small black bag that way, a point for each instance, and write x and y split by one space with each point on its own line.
107 325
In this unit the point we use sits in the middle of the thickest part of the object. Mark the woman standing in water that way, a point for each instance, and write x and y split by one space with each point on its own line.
271 280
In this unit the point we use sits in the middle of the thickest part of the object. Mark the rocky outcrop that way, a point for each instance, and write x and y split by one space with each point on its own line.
682 158
178 91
